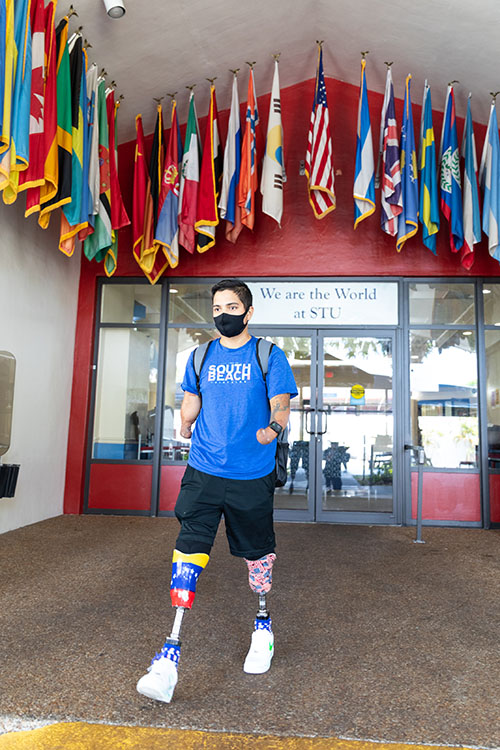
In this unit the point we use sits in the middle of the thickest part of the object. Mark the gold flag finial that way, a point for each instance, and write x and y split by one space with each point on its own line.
251 64
389 64
364 54
276 56
450 83
235 71
211 80
172 96
191 87
72 12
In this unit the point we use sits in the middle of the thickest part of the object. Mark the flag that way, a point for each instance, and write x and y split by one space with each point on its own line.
16 157
3 51
39 194
86 227
71 212
273 170
228 203
364 174
119 217
207 215
451 190
99 245
489 179
319 166
408 218
167 228
64 127
390 194
33 176
156 163
152 265
190 180
94 182
429 206
471 210
248 183
8 70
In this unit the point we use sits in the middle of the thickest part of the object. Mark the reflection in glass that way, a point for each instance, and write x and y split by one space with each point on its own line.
357 422
180 343
492 341
442 304
126 394
491 299
294 495
443 383
190 304
130 303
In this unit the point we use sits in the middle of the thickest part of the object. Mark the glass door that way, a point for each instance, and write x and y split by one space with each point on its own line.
295 501
355 428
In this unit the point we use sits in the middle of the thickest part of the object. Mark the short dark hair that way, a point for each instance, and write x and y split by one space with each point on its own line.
238 287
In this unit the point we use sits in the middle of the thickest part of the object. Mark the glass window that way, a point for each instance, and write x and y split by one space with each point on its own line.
492 341
7 378
126 394
491 297
442 304
180 344
443 383
190 304
130 303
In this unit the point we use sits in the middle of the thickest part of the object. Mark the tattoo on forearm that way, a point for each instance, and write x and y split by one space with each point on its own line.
279 404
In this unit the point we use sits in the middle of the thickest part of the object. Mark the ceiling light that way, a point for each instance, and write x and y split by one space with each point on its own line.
486 291
114 8
467 333
173 290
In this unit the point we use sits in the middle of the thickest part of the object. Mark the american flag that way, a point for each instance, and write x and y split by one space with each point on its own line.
391 199
318 166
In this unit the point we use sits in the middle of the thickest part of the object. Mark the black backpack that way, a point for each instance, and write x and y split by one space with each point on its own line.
263 350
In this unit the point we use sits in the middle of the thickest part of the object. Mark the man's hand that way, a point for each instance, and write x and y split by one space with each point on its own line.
186 431
266 435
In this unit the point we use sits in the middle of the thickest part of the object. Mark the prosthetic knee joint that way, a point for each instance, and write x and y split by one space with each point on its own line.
260 579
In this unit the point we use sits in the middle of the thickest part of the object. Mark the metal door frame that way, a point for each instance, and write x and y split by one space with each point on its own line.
306 515
363 517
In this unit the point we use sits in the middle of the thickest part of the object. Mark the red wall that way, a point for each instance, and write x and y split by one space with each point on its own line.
304 246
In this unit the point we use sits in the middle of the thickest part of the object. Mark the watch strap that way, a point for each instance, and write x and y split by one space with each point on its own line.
278 429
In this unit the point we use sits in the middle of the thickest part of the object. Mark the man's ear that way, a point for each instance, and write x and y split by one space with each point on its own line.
248 315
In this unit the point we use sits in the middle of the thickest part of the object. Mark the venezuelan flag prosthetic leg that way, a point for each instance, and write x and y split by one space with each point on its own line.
160 681
260 579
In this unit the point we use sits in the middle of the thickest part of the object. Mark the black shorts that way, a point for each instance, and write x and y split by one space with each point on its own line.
247 505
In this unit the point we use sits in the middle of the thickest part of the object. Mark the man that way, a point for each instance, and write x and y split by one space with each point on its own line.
239 411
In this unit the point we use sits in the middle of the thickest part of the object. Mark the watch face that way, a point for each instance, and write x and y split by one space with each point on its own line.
276 427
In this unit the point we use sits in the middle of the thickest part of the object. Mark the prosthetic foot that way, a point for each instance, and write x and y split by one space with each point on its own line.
161 678
261 652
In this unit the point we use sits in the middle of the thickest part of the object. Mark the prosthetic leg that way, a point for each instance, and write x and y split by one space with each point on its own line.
161 678
260 654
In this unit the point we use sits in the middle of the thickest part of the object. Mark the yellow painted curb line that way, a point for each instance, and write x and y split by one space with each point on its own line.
81 736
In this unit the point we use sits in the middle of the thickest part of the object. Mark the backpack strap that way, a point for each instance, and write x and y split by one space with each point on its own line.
199 356
263 350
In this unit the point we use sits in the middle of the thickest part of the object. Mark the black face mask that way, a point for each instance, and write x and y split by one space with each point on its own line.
230 325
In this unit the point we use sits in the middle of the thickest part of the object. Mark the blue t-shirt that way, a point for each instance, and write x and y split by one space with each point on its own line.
234 406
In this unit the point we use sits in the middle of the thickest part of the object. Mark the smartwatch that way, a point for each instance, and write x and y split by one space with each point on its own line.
276 427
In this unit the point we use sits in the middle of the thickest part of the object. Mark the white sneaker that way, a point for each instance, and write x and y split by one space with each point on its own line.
260 653
160 681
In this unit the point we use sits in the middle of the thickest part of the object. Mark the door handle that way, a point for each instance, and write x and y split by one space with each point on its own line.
323 411
308 413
